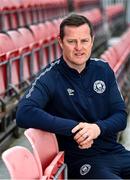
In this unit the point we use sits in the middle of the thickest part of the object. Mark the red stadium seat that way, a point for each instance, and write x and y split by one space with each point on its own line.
40 32
42 36
6 44
26 35
21 163
45 156
39 52
52 36
17 39
22 43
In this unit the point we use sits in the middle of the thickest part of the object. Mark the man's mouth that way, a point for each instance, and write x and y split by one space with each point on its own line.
79 54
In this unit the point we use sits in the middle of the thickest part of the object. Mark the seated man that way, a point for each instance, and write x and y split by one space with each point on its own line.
77 98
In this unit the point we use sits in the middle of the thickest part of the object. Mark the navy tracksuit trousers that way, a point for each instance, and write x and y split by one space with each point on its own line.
101 166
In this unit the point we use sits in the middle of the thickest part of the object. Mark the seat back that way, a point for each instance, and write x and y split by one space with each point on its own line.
40 31
44 146
17 38
6 44
26 35
22 40
20 163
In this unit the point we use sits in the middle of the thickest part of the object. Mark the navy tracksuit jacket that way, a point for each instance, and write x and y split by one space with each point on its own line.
60 98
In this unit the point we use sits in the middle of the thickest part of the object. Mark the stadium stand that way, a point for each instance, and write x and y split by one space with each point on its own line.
28 42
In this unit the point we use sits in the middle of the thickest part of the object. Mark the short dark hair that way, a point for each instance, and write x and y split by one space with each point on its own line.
75 20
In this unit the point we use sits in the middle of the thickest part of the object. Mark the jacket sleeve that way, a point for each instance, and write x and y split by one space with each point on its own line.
31 112
118 117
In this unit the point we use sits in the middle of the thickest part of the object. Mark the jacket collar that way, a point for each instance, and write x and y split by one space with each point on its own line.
70 71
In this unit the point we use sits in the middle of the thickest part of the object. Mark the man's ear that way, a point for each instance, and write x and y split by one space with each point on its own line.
60 41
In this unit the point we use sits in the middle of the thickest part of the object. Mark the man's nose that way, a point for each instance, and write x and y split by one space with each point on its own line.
78 46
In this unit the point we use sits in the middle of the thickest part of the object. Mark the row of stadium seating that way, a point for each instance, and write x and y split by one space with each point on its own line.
45 163
23 53
15 14
118 56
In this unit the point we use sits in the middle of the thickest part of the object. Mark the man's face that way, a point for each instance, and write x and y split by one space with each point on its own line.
76 45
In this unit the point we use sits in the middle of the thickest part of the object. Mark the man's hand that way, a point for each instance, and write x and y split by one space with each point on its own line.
85 134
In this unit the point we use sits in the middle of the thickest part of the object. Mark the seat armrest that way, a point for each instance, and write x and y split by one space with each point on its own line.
56 167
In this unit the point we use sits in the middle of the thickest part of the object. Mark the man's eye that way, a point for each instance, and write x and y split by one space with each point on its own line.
85 40
71 41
